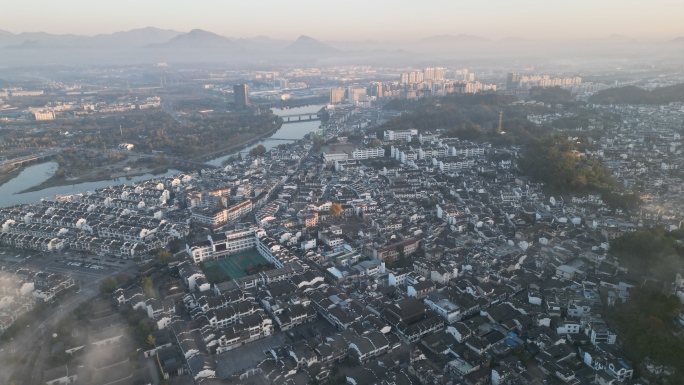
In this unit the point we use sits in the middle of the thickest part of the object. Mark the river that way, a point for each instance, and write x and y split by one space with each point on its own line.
36 174
291 131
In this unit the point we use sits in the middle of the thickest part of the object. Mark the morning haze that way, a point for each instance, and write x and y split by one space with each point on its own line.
342 193
382 20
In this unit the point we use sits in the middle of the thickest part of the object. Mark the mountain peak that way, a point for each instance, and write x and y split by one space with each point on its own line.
308 45
199 38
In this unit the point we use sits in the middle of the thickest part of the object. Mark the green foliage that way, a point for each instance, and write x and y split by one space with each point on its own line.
622 201
450 111
552 95
163 256
465 132
148 130
148 287
653 251
636 95
257 151
142 333
645 324
554 161
108 285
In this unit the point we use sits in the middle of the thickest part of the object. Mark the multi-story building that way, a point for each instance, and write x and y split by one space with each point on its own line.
405 135
241 94
368 153
336 95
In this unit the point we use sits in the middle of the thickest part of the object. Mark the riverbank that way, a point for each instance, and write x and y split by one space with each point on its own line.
8 176
238 146
102 175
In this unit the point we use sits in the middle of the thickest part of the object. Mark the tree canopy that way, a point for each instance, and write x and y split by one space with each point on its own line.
645 324
108 285
335 210
558 163
257 151
653 250
636 95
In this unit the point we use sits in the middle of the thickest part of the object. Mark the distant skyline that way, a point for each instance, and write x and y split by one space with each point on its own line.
380 20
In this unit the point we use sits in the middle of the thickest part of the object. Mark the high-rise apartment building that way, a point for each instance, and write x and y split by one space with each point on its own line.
429 73
376 90
336 95
241 95
439 73
404 78
512 80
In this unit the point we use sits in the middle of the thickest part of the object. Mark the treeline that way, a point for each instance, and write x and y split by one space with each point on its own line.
652 251
645 325
157 130
556 162
551 95
636 95
451 112
200 104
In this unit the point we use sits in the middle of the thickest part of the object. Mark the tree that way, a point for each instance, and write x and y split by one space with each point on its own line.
108 285
163 256
401 251
148 287
376 143
335 210
220 204
142 332
258 150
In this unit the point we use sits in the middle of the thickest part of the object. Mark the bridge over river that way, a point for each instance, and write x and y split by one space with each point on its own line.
24 160
295 118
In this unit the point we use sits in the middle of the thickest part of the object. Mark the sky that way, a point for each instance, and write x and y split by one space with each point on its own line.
353 20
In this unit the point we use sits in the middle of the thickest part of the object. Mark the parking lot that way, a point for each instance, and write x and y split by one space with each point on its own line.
81 266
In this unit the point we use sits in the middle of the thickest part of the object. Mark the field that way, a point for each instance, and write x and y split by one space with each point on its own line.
233 267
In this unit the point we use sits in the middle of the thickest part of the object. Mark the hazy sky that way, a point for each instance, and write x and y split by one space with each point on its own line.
354 19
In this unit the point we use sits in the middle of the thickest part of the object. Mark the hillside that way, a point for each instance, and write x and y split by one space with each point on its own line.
556 162
636 95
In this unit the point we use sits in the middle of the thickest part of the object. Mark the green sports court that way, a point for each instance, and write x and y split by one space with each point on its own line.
233 266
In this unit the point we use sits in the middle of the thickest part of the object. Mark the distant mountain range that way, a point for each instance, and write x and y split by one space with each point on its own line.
135 37
154 45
